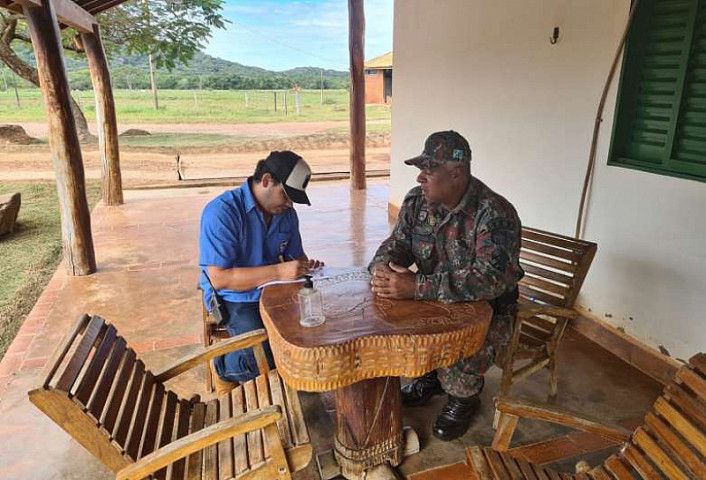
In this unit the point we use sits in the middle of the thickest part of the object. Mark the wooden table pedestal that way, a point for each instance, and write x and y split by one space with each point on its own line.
368 426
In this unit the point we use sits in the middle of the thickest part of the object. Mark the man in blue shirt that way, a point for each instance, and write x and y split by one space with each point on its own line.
250 236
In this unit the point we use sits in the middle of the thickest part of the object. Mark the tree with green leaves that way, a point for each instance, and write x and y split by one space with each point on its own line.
169 31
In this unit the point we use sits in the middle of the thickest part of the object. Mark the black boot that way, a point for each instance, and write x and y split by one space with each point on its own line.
455 417
421 390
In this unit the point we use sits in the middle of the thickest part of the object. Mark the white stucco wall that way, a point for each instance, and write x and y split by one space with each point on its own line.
488 70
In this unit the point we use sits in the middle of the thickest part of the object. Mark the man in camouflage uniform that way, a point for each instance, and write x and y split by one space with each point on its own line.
465 241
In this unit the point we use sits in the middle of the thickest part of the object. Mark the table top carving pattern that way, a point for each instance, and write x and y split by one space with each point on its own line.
365 336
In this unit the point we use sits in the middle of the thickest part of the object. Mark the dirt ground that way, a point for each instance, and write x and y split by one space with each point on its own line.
39 129
145 165
140 168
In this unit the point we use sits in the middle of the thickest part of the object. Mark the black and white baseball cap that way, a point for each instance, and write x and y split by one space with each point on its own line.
293 172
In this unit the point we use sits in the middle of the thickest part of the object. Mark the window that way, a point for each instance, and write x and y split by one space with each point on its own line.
660 119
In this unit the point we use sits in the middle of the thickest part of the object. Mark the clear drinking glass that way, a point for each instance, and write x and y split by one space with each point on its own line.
311 308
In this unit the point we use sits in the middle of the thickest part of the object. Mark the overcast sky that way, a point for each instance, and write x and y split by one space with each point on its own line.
282 34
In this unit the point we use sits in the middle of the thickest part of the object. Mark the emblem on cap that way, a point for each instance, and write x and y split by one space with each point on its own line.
441 147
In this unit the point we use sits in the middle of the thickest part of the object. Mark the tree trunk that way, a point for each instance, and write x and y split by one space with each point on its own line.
153 82
84 134
66 152
23 70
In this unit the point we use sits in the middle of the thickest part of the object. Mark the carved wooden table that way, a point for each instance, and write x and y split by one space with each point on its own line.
361 350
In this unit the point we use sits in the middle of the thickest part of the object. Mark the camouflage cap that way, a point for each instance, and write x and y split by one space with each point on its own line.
441 147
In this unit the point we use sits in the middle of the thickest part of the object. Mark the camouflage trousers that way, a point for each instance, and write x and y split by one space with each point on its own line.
465 378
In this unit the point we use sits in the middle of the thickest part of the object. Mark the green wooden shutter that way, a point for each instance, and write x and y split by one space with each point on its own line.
689 150
660 122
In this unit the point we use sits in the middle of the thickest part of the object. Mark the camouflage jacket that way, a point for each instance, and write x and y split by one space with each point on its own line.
466 254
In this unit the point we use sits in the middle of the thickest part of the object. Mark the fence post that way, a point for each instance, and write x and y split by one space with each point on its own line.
274 93
285 103
246 99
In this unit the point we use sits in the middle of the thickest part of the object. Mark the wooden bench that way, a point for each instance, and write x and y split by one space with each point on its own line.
100 393
671 443
555 268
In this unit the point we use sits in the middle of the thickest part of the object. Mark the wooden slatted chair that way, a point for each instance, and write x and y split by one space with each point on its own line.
555 267
212 333
100 393
670 444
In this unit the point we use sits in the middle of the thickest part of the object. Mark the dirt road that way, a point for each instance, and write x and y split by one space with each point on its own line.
140 168
39 129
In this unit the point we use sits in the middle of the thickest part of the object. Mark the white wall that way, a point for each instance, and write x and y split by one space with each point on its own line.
488 70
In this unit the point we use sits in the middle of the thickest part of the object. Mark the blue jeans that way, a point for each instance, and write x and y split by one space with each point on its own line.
240 366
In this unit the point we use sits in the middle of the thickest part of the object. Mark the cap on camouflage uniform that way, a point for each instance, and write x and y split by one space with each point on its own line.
441 147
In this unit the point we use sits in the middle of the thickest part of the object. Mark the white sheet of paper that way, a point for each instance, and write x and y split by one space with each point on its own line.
320 273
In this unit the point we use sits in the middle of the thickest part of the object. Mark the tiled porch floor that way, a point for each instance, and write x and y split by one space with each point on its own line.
146 287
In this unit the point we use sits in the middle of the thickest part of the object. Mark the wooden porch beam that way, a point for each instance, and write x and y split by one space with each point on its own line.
68 13
356 47
63 139
112 188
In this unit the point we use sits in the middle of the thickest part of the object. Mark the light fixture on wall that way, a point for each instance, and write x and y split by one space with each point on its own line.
555 36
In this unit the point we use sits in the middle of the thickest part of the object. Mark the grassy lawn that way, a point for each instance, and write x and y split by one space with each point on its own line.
190 140
180 140
207 106
30 254
369 128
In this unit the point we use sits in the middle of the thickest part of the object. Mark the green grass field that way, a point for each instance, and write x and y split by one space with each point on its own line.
30 254
191 106
188 141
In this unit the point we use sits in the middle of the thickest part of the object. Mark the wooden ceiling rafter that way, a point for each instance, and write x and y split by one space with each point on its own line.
68 13
79 15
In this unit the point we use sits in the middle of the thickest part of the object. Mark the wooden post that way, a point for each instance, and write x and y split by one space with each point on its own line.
286 112
274 95
63 139
112 187
356 47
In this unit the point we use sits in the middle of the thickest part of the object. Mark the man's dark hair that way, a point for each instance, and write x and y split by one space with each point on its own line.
260 170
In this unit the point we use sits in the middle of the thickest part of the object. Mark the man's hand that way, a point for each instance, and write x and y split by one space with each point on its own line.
315 264
393 281
293 270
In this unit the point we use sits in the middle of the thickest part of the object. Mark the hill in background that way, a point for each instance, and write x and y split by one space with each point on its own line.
203 71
